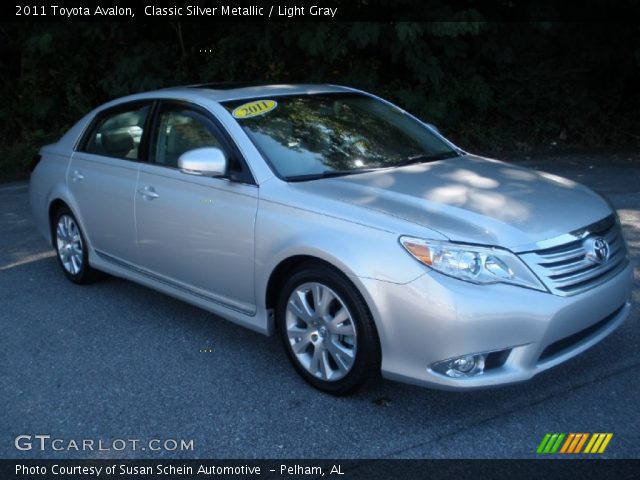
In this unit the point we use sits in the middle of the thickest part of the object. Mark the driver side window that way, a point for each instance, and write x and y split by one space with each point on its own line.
181 130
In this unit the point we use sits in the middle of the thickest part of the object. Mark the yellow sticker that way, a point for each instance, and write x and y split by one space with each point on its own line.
253 109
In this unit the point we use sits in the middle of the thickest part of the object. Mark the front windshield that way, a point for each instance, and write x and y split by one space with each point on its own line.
308 136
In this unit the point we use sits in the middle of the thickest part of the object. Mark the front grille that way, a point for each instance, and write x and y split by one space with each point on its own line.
569 342
566 270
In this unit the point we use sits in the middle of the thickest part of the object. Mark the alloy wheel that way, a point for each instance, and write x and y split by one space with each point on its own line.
321 331
69 244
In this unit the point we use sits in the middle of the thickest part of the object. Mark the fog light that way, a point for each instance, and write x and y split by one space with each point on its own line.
464 366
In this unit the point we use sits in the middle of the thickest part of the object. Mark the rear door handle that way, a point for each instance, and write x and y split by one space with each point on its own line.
148 193
76 176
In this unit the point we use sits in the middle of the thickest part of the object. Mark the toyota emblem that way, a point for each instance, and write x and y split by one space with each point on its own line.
597 250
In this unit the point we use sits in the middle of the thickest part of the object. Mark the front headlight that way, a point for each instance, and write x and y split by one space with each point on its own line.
482 265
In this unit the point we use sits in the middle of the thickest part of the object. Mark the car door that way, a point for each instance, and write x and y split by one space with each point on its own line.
196 232
102 178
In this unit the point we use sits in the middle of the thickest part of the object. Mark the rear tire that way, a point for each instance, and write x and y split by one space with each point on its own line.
71 248
327 330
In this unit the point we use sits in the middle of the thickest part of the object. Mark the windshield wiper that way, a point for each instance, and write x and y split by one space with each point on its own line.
328 174
422 158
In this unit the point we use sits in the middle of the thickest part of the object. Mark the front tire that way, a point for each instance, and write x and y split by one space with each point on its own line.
327 330
71 248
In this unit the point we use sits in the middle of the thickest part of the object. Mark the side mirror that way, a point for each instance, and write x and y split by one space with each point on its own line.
208 162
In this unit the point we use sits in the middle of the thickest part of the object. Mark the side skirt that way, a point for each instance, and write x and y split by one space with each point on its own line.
254 320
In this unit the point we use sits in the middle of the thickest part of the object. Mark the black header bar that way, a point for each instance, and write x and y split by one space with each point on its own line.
322 10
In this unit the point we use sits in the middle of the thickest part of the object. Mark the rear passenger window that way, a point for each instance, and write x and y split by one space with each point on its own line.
118 134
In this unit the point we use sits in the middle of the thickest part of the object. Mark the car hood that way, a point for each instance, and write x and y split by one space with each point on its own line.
471 199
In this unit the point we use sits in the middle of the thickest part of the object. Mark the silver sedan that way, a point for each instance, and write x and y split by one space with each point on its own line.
355 232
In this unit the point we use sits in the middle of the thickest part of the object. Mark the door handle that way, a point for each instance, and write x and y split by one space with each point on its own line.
148 193
76 176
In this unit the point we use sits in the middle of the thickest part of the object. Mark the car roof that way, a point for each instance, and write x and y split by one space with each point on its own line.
221 92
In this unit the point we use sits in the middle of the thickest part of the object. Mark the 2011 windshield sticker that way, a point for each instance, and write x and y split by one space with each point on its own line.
253 109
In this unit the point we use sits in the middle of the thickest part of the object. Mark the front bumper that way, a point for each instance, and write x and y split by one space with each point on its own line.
436 317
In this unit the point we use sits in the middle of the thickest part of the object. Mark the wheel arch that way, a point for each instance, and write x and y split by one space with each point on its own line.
55 205
61 196
279 275
286 266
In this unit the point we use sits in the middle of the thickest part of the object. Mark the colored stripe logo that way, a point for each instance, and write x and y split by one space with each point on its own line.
574 443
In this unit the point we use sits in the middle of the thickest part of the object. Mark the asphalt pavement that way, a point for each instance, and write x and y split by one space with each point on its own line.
118 361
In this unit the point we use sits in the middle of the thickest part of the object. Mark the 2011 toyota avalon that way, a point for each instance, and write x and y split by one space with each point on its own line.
363 238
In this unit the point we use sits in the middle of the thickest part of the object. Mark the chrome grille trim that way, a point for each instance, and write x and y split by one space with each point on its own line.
565 268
